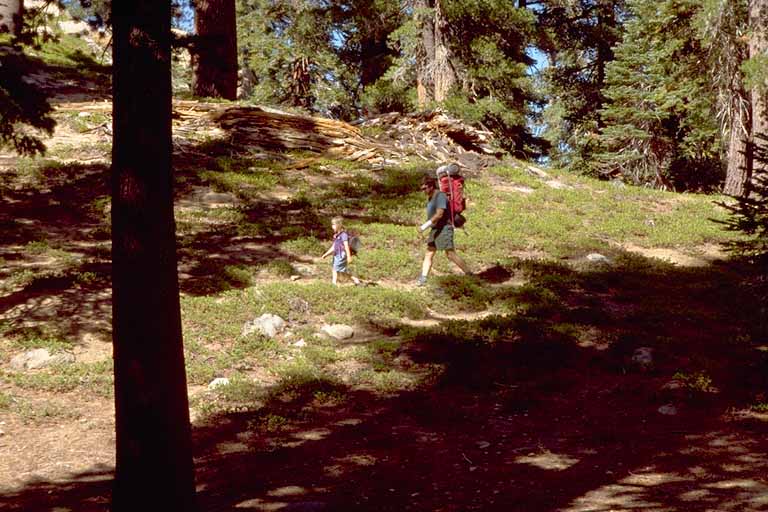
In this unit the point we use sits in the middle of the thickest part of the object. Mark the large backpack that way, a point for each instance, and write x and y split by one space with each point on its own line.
452 185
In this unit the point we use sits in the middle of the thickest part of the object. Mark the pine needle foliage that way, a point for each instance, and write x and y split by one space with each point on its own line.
578 39
25 114
660 128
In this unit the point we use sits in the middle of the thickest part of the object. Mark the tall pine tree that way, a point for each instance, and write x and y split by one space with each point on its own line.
721 25
578 39
659 123
291 49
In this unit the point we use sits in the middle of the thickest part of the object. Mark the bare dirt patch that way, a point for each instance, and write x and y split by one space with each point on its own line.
700 257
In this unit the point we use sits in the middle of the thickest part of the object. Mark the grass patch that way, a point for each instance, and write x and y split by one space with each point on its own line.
350 304
696 382
96 378
304 246
32 341
237 275
279 268
386 381
37 247
85 121
6 401
245 183
44 412
464 292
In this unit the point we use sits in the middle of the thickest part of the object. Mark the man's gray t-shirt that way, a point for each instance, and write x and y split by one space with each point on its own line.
439 200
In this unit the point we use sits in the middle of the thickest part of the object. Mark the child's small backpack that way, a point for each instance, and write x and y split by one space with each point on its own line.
452 185
354 244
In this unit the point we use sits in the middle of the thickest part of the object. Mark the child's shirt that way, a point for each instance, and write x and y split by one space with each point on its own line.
338 243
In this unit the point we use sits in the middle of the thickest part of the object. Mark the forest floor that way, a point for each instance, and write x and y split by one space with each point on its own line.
550 381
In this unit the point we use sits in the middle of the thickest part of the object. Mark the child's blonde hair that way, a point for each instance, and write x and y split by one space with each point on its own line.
339 221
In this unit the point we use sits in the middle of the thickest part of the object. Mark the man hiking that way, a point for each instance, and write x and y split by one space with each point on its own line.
441 230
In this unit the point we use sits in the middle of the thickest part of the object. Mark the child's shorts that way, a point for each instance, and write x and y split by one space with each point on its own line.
340 263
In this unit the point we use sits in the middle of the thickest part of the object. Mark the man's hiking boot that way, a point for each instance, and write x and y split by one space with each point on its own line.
421 281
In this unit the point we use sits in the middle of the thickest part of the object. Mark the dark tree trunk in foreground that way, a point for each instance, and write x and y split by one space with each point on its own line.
214 56
11 15
154 462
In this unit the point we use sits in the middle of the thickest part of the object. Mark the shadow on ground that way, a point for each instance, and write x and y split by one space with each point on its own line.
543 409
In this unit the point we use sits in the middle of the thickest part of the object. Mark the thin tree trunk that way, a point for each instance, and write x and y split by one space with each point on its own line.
758 47
11 16
154 470
606 19
425 61
739 157
214 54
728 51
444 74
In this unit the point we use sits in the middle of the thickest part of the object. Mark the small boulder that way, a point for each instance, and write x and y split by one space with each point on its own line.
218 198
267 324
338 331
535 171
597 258
218 382
299 305
40 358
643 358
668 410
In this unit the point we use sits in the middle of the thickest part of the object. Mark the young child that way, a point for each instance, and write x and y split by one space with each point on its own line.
342 255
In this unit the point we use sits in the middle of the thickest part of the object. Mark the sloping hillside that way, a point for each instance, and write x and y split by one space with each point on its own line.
603 356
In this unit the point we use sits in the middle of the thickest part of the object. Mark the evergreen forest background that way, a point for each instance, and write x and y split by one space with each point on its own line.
666 93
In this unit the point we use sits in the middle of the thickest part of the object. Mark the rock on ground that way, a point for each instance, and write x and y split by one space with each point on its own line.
40 358
267 324
338 331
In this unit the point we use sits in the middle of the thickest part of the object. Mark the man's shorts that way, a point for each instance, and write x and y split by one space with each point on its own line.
441 239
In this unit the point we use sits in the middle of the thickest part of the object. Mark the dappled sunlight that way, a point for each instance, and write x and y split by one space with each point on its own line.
348 463
313 435
548 460
287 490
720 475
615 497
225 448
348 422
261 505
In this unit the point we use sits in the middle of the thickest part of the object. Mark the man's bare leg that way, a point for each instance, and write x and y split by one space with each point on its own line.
455 258
426 265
